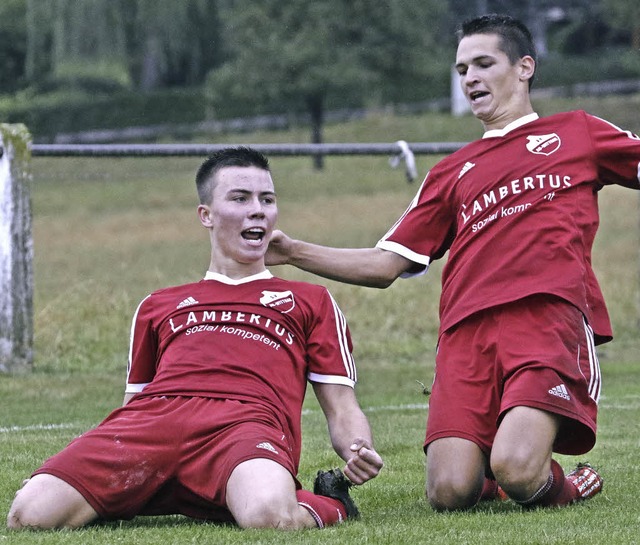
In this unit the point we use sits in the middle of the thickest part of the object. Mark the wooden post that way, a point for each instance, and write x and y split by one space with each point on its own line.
16 251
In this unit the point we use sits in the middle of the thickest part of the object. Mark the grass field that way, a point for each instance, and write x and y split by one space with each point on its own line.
108 231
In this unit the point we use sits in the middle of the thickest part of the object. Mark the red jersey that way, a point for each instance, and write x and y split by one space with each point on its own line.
256 340
518 212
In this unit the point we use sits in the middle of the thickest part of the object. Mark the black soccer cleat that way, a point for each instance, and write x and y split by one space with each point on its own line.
333 484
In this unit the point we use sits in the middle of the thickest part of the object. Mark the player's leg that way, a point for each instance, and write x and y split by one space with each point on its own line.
549 402
521 460
47 502
455 473
463 408
521 453
262 494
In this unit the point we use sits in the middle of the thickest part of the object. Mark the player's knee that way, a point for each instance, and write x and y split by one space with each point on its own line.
269 514
22 515
452 494
517 475
46 502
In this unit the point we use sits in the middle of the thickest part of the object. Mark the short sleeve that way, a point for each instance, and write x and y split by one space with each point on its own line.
329 345
617 153
141 367
425 231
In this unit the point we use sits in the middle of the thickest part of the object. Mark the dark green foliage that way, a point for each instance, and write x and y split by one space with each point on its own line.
62 112
13 45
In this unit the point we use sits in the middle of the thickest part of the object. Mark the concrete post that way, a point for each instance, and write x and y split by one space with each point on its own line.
16 251
459 104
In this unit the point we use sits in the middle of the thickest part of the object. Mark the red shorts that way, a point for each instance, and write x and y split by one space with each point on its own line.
169 455
537 352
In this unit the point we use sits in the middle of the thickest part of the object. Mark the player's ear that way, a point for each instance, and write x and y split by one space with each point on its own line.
527 68
204 213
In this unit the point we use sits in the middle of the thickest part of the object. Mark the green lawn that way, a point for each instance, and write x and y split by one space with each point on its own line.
108 231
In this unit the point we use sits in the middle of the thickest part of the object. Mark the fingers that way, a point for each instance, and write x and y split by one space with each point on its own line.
276 236
364 465
279 249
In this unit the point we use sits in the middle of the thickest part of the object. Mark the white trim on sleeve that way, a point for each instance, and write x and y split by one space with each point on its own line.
331 379
131 334
134 388
399 249
343 340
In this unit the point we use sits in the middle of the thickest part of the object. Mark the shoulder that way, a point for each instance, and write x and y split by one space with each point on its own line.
580 123
564 119
181 288
186 292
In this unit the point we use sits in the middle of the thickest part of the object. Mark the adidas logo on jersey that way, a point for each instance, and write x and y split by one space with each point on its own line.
560 391
466 168
267 446
187 302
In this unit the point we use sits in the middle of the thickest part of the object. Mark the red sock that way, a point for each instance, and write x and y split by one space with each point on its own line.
489 489
326 511
560 491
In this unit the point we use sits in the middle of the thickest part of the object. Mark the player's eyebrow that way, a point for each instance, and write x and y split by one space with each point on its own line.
243 191
476 60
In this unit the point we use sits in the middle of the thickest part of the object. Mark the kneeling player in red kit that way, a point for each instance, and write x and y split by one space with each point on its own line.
210 426
516 372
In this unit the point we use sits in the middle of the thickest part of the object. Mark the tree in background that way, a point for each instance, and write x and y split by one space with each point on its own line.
624 15
141 44
172 43
298 54
12 45
71 42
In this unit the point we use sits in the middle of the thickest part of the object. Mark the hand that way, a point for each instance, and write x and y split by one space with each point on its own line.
279 249
364 464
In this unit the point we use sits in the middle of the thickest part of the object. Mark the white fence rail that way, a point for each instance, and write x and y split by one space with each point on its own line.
16 244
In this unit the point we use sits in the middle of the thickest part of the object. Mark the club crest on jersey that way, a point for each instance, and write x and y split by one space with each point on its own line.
279 300
543 144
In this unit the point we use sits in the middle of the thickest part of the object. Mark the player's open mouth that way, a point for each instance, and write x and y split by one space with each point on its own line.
475 95
255 233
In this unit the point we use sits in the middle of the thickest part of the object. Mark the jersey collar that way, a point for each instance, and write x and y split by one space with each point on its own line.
513 125
264 275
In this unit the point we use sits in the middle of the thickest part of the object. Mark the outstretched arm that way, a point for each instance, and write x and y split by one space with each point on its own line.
370 267
349 431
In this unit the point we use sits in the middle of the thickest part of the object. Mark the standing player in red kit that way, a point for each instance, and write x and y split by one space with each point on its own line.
210 427
516 374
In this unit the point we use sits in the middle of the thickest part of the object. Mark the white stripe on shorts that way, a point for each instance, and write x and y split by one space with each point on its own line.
595 379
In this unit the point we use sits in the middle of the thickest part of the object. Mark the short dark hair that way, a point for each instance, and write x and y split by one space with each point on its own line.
515 38
241 156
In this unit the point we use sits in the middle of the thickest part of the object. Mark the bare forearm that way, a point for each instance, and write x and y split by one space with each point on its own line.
347 430
352 441
370 267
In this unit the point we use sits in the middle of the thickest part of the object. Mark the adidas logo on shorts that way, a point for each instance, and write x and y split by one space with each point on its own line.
560 391
267 446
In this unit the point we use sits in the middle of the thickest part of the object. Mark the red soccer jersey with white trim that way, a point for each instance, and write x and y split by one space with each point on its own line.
518 212
258 340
